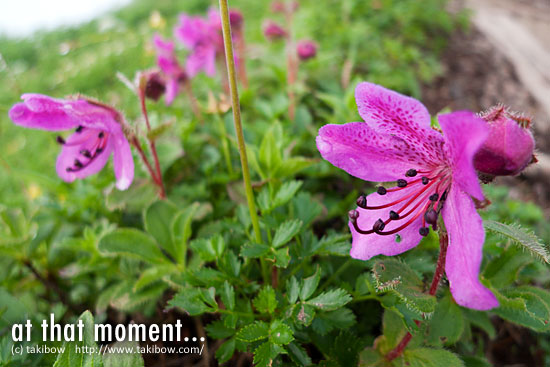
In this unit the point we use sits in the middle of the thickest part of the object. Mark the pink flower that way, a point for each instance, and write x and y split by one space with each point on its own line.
203 36
306 49
509 147
434 174
273 31
98 133
168 63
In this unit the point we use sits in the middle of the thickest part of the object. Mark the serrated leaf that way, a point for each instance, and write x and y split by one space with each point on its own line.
266 300
298 355
282 257
285 232
225 351
304 314
280 333
270 156
228 295
330 300
446 324
217 330
152 275
254 250
527 240
192 301
131 242
68 358
257 331
266 353
325 322
309 285
428 357
292 166
526 306
292 289
287 191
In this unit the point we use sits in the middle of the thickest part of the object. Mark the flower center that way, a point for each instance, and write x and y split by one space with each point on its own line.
86 155
423 196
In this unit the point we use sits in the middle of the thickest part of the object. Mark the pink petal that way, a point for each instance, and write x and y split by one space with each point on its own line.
368 154
42 112
163 46
69 153
366 246
172 89
464 134
464 254
386 110
202 58
123 162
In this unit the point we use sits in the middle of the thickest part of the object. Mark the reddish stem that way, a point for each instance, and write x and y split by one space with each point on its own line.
439 270
241 50
137 145
292 65
159 181
192 100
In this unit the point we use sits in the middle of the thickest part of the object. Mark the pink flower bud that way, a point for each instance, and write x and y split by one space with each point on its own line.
281 6
306 49
236 19
509 147
273 31
155 85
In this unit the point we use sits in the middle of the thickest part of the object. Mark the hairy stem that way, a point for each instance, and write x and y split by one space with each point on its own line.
226 27
439 270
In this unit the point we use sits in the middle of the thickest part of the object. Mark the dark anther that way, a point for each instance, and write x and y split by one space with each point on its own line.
78 164
378 226
101 135
434 197
401 183
79 129
425 180
394 215
69 169
424 231
444 196
98 150
86 153
430 216
411 173
60 140
353 215
362 201
381 190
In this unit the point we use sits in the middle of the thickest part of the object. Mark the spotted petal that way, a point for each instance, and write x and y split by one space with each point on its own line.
368 154
366 246
466 237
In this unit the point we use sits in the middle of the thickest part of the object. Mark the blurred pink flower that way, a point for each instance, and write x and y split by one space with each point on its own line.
396 143
273 31
168 63
98 133
306 49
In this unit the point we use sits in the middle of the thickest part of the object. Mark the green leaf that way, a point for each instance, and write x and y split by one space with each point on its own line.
131 242
68 358
217 330
280 333
225 351
447 323
157 218
270 156
286 231
253 332
527 240
393 328
287 191
304 314
209 249
481 320
526 306
471 361
131 358
292 166
266 353
266 300
228 296
282 257
298 355
309 285
152 275
397 277
330 300
504 269
292 289
325 322
12 310
254 250
194 301
428 357
181 226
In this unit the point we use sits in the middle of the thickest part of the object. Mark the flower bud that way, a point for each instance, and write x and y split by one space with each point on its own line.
306 49
273 31
236 19
509 146
280 6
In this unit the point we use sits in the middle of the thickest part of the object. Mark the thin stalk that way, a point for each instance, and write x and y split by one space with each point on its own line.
192 100
137 145
292 64
152 145
225 144
439 270
226 27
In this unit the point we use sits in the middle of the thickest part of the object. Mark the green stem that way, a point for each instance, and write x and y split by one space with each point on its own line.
226 28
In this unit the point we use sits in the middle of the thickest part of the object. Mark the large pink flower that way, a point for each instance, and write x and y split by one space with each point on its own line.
98 133
434 174
168 63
